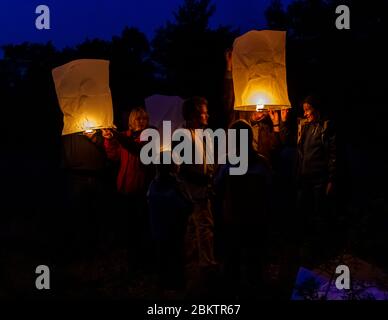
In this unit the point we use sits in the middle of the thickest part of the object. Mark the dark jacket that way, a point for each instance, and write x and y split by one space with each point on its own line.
316 163
169 205
81 154
246 200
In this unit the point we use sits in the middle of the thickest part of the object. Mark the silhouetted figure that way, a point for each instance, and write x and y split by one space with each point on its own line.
87 175
247 204
170 206
198 179
316 173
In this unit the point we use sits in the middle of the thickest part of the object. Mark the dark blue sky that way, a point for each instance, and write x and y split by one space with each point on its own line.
74 20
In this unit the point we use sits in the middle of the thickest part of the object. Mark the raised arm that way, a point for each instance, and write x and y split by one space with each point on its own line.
111 145
228 88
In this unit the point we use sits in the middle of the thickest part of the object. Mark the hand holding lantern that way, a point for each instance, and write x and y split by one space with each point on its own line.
89 133
284 114
274 115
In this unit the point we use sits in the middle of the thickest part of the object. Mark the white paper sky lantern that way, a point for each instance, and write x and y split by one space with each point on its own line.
259 71
84 96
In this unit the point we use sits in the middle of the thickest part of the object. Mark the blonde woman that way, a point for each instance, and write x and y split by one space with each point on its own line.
132 183
125 147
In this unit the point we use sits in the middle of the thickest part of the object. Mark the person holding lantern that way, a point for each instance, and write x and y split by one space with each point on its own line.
269 130
87 173
245 248
132 182
125 147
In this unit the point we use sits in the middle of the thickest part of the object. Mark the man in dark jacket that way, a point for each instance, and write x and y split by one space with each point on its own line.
316 167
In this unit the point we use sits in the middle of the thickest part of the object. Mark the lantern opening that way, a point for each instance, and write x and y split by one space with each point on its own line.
260 107
88 126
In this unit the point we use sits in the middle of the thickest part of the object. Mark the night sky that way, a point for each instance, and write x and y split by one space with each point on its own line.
74 20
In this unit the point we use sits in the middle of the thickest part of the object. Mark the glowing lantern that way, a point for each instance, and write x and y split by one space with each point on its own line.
259 71
84 96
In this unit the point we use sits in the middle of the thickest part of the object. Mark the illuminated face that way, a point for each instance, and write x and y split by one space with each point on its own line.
203 116
309 113
140 122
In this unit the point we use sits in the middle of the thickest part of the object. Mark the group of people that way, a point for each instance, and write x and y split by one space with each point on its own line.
201 224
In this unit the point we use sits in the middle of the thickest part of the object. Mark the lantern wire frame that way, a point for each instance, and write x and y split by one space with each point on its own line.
255 107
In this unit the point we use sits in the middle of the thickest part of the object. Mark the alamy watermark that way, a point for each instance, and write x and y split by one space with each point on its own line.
343 280
43 280
181 142
42 22
343 20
